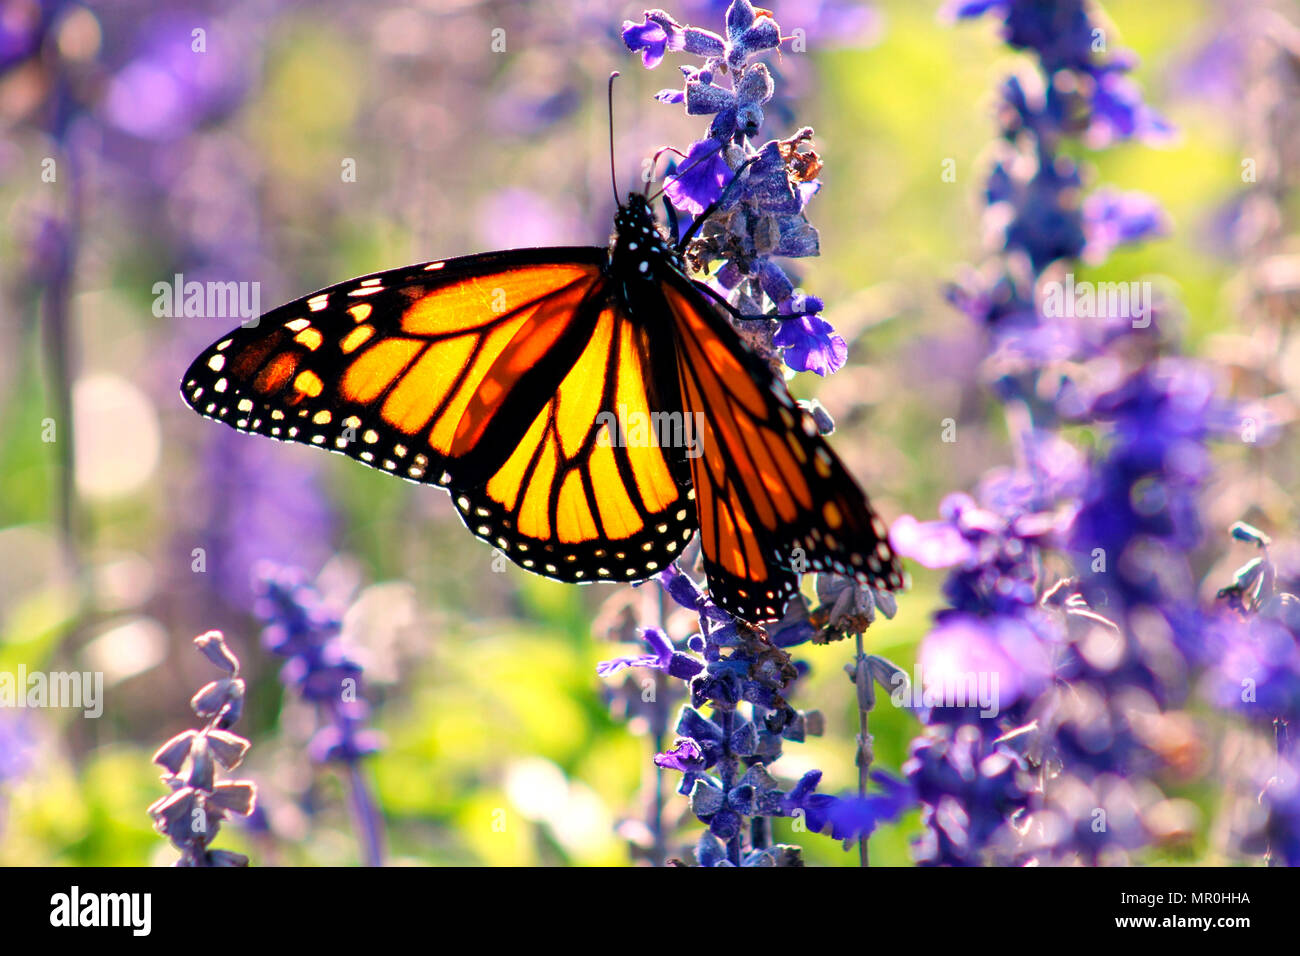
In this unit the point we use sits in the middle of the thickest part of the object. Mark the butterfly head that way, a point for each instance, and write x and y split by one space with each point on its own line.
640 248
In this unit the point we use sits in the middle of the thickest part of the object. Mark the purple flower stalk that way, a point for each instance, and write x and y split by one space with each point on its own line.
723 757
1062 702
191 815
762 217
755 197
302 628
1256 673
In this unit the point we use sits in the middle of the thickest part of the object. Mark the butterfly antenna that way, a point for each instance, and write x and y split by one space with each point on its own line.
612 177
654 163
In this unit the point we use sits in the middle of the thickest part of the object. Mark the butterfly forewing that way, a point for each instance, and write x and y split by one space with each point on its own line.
384 368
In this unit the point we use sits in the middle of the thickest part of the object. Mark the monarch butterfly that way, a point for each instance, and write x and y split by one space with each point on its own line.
514 379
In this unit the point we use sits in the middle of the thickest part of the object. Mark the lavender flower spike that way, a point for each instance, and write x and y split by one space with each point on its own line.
191 815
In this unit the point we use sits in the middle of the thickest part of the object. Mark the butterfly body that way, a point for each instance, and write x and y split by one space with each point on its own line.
590 410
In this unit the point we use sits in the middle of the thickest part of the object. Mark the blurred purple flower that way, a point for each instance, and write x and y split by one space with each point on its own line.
1058 30
17 747
1119 113
169 88
1257 667
935 544
962 647
302 627
1214 67
1112 218
1046 223
263 506
1280 796
852 817
23 24
995 301
968 787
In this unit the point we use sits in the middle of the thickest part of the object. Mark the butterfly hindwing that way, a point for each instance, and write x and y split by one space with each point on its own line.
589 493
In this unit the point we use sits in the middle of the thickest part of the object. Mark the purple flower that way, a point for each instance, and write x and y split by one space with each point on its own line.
168 88
346 740
1046 223
968 787
685 757
935 544
700 178
1139 507
1064 828
1057 30
804 800
22 29
748 33
302 627
759 216
763 216
17 746
993 301
767 186
1119 112
1070 681
1001 650
264 506
811 344
1112 218
1064 37
852 817
664 658
1257 670
1280 796
700 744
1216 67
657 34
690 595
968 9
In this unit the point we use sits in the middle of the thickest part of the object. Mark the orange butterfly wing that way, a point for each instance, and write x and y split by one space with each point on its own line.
395 369
772 496
496 376
575 500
